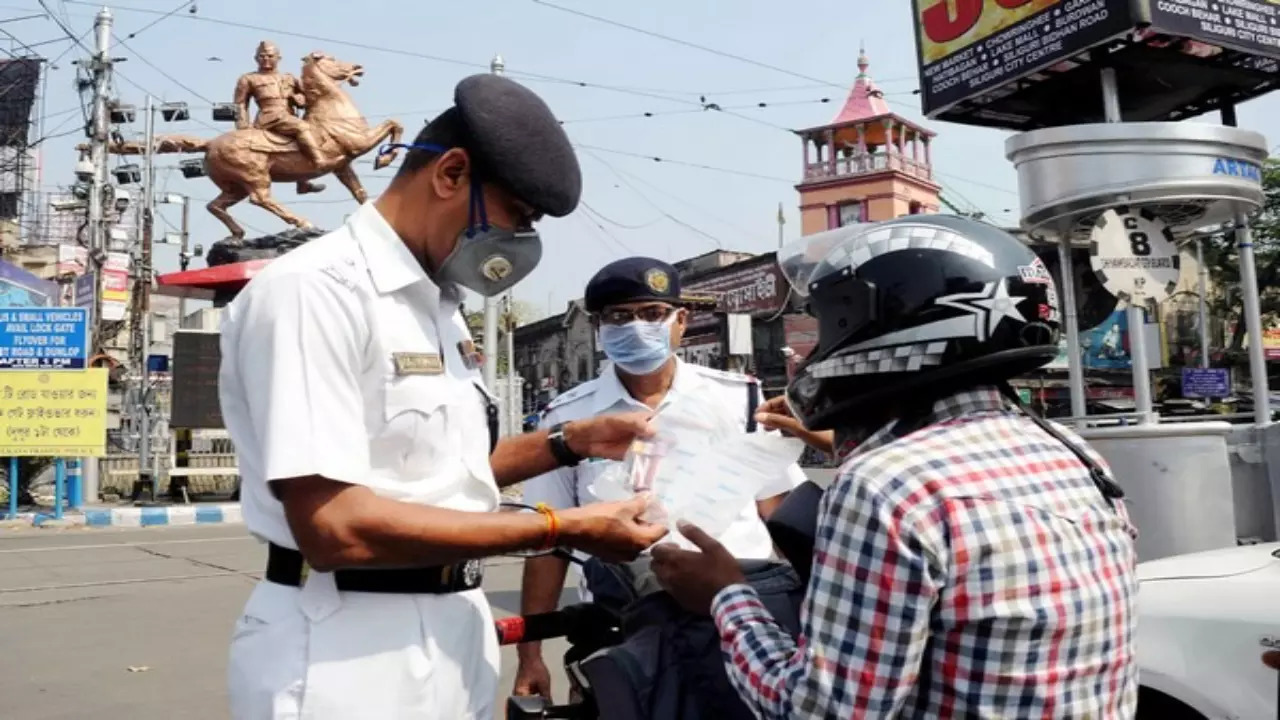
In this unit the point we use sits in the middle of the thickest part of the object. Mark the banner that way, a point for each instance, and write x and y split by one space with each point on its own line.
968 48
19 288
115 286
53 414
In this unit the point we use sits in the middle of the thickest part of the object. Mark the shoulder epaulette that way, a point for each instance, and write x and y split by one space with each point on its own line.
726 376
586 389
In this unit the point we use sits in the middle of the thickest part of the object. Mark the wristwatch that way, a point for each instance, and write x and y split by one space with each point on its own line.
560 448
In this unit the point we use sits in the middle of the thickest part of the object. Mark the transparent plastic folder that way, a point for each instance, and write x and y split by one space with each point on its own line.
698 472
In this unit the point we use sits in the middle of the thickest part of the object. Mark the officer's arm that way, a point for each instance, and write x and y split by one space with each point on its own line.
544 576
300 350
519 458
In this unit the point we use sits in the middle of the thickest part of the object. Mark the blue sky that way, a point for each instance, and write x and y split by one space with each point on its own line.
633 205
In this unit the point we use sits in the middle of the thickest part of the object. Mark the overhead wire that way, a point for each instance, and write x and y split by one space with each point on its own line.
685 43
718 242
655 188
162 18
615 223
665 95
593 222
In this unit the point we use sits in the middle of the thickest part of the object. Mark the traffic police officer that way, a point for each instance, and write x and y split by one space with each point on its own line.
350 387
637 306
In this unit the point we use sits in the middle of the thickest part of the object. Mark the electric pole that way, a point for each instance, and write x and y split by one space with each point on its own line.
141 316
496 66
99 135
514 406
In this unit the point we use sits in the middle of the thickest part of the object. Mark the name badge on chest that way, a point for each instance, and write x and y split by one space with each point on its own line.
409 363
471 358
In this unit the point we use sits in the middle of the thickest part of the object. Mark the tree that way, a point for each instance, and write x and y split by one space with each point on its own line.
522 313
1223 260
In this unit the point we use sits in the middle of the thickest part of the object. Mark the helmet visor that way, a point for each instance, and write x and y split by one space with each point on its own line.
807 260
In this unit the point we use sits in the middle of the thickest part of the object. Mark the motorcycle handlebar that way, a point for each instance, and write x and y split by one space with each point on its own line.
575 622
531 628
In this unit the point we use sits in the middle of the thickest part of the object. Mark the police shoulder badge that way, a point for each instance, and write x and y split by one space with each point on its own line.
657 280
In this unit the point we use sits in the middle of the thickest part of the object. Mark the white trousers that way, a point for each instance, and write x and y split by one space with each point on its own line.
321 654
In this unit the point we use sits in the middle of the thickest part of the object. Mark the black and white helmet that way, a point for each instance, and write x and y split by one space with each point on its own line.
912 307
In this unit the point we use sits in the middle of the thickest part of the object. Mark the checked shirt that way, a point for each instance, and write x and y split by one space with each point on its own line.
970 569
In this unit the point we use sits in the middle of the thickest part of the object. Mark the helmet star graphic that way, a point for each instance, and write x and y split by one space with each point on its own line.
993 302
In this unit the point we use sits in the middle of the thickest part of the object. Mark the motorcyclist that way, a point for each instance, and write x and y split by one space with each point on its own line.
969 560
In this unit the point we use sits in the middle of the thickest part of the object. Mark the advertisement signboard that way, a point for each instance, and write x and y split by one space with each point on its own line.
1250 26
82 291
751 288
969 47
1009 63
72 260
115 286
19 288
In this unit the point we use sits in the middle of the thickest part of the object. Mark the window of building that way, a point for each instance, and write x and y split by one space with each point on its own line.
850 213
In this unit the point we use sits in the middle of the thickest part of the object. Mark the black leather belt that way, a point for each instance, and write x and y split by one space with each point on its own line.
286 567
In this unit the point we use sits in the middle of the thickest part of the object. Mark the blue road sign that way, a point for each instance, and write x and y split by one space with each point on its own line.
1206 382
44 338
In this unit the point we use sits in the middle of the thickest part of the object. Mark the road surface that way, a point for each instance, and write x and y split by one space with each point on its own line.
135 623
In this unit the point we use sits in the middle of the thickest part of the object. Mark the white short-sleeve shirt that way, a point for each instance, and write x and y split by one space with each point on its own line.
343 359
714 392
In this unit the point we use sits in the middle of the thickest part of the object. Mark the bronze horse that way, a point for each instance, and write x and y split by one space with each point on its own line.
244 163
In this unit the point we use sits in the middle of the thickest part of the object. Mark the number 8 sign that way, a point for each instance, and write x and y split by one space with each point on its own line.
1133 250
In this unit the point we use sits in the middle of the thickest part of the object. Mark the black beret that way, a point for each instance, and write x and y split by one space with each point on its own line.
629 280
519 143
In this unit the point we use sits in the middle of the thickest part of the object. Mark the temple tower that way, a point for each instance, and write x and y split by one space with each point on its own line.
869 164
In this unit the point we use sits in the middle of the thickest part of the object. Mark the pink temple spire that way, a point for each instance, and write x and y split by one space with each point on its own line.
865 101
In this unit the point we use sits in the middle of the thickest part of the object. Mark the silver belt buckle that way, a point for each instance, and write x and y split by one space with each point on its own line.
471 573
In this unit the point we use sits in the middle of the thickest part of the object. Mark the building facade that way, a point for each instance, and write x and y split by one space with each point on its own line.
554 354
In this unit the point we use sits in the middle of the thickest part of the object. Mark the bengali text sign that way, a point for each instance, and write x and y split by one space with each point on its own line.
53 414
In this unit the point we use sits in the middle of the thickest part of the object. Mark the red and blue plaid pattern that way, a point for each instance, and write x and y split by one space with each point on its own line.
970 569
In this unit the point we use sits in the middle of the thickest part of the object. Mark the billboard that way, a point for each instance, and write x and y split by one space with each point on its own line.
1010 63
1249 26
19 288
969 47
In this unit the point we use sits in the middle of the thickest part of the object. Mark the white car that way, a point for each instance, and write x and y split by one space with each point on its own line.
1209 635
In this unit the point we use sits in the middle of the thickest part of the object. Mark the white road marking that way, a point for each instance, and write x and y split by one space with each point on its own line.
102 546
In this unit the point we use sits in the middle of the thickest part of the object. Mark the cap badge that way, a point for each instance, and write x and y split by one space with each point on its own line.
496 268
657 281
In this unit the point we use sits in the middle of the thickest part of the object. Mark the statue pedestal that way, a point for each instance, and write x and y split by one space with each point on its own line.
232 264
226 252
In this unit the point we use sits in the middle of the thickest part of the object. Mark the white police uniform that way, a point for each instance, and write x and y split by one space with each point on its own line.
343 359
713 391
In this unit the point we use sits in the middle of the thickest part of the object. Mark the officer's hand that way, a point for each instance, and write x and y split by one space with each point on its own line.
532 678
775 415
607 436
693 578
611 531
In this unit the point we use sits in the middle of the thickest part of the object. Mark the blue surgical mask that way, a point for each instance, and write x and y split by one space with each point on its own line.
638 348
